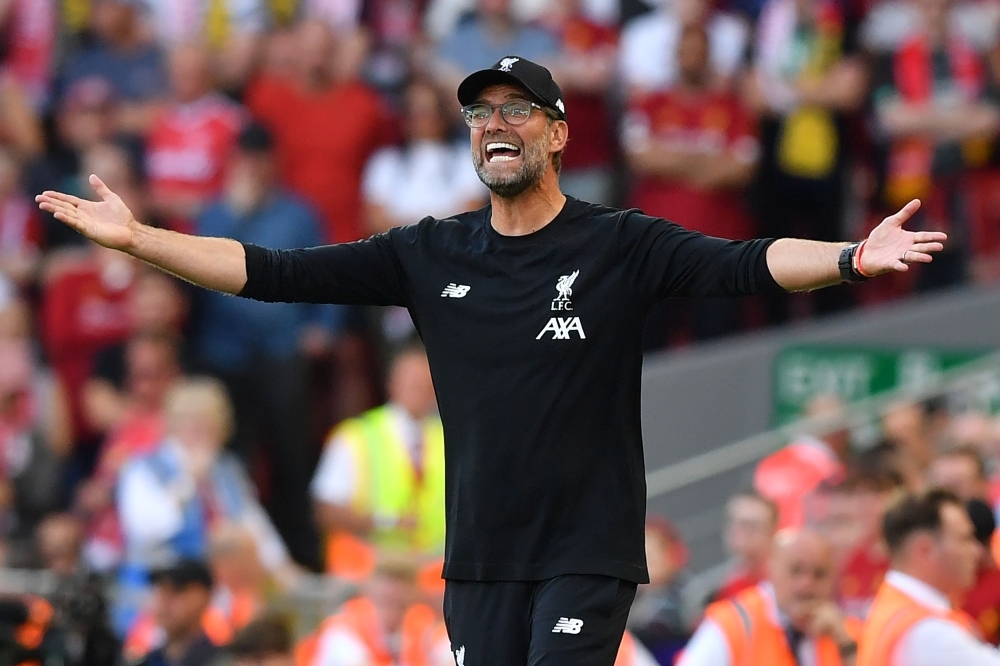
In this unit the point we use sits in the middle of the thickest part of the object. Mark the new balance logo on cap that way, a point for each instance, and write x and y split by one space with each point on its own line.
455 290
568 625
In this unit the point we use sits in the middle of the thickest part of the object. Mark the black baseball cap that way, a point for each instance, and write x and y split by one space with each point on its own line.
183 573
517 71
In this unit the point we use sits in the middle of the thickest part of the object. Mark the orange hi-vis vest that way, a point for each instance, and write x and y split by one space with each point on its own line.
755 640
893 613
358 617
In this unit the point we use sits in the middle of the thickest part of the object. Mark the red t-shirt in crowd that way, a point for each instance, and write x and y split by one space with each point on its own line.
81 313
860 578
787 477
982 602
30 46
592 142
187 147
712 122
324 140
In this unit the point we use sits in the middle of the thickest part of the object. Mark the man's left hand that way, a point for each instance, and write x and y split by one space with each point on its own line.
889 247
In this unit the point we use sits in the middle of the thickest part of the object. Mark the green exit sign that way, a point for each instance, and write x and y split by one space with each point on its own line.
803 372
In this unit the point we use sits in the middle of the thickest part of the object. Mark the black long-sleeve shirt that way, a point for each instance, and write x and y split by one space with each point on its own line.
535 347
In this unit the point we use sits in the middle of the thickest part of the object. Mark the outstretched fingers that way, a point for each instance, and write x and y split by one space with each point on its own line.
930 237
927 247
50 195
102 190
905 213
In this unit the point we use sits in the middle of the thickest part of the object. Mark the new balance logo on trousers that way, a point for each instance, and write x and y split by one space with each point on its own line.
568 625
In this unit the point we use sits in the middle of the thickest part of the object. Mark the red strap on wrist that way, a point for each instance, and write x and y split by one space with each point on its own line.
857 259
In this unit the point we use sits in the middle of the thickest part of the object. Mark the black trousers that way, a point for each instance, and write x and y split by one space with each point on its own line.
572 620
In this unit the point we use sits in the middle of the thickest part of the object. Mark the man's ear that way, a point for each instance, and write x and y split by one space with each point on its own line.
558 135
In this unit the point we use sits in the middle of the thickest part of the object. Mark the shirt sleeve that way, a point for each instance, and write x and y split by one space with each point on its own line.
665 259
146 509
334 480
708 647
364 272
936 642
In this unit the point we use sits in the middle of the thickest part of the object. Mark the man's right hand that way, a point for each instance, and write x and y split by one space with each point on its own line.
107 222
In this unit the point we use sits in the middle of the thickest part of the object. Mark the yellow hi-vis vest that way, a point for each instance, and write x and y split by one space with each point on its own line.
389 486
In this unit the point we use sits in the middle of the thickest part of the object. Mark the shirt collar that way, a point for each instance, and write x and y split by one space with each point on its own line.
918 590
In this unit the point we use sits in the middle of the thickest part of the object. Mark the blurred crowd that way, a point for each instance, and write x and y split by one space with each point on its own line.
811 535
200 452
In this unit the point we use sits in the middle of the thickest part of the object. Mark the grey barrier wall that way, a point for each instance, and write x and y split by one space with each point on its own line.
702 398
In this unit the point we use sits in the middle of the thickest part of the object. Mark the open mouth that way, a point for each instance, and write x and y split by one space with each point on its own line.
500 151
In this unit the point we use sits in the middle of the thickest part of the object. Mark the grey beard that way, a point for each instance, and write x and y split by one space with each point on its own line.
528 174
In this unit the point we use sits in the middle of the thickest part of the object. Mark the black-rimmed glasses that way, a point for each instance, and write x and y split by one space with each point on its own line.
514 112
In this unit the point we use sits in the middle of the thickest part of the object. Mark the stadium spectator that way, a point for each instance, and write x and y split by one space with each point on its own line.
261 351
30 29
961 470
237 596
125 56
52 402
180 598
20 127
586 67
427 175
906 427
21 234
385 625
157 309
380 481
851 522
936 114
807 78
264 642
85 116
751 523
935 556
241 579
30 464
693 150
169 501
321 160
649 44
982 602
657 617
789 619
789 476
59 541
135 427
491 34
84 307
190 141
231 29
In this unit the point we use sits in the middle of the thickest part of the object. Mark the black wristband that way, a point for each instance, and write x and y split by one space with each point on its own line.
846 265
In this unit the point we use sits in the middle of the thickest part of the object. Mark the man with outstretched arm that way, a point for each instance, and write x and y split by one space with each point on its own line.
532 312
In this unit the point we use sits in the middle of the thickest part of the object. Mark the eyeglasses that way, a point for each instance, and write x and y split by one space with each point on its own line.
514 112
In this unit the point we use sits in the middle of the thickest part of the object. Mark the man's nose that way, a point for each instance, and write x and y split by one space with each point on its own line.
496 122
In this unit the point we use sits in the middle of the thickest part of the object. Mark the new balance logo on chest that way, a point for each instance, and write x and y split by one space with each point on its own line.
561 327
568 625
455 290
